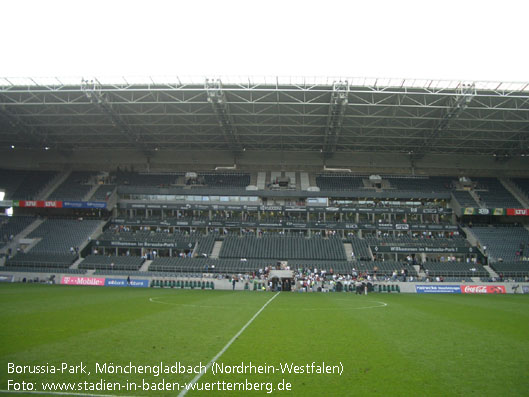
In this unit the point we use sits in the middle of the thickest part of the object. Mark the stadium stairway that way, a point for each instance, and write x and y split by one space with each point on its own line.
13 244
94 235
75 265
477 199
145 266
194 252
491 271
268 178
54 184
515 191
112 201
33 243
294 179
371 253
312 179
419 271
348 247
30 228
90 193
216 250
261 180
304 180
471 237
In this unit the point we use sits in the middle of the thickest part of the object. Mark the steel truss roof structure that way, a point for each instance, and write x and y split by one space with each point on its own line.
324 115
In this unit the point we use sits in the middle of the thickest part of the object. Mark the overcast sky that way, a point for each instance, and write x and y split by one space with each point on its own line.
473 40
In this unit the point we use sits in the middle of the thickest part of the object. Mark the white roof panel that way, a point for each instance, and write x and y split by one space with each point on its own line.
266 80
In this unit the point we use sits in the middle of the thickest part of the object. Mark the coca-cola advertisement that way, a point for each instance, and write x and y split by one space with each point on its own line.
483 289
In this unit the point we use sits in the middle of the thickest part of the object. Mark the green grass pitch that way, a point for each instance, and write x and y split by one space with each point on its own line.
385 344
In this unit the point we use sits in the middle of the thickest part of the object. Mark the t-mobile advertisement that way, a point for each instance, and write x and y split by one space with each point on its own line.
94 281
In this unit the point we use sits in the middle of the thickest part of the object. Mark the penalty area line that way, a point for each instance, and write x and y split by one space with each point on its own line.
208 366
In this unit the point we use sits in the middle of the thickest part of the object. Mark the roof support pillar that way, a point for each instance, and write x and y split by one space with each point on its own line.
337 106
218 101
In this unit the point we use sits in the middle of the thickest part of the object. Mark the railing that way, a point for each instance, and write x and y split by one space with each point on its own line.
38 264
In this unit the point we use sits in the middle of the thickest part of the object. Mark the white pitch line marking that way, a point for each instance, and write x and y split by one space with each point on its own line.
381 304
153 300
341 309
198 376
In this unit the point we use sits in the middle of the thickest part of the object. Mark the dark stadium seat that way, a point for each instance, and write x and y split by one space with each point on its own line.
502 242
494 194
75 187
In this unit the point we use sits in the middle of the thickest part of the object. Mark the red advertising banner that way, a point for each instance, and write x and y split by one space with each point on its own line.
518 211
94 281
40 204
483 289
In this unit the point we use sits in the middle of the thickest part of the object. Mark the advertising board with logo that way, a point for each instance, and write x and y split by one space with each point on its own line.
38 204
93 281
518 211
84 204
483 289
438 289
121 282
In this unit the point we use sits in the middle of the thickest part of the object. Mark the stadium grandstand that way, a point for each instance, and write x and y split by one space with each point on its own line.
392 180
285 198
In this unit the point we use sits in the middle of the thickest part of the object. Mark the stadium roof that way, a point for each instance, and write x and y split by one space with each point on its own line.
326 115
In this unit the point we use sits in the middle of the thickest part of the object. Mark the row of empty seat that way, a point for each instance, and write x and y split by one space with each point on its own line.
493 194
502 242
129 265
360 248
464 198
215 180
523 185
103 262
454 269
207 265
103 192
41 260
176 265
340 182
40 269
282 248
24 185
145 179
60 235
74 188
186 241
344 181
407 240
434 184
240 180
386 268
511 269
11 226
